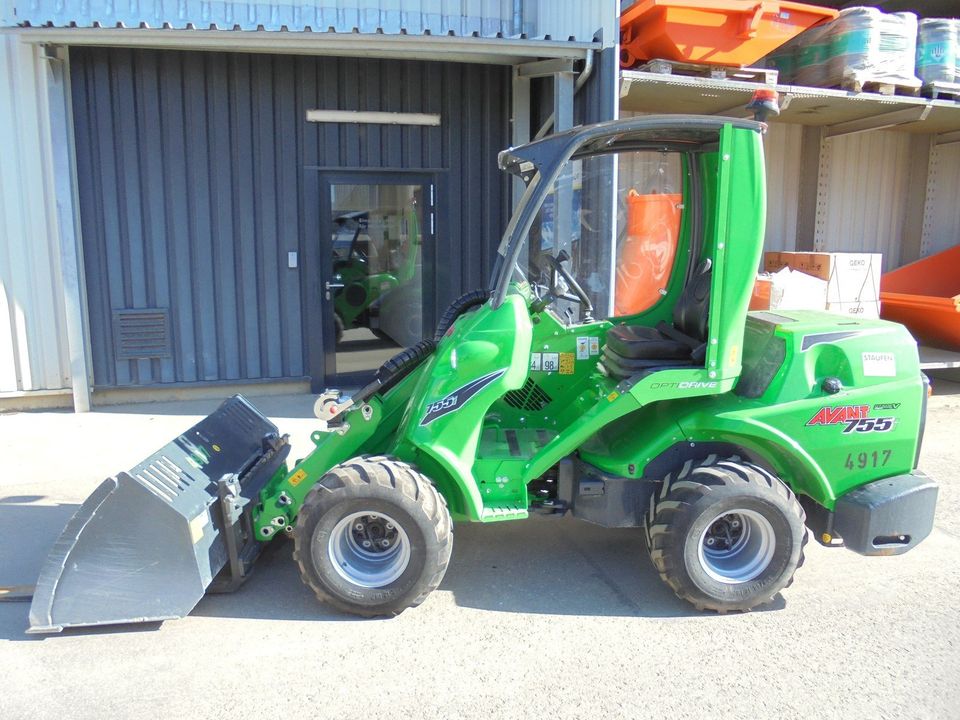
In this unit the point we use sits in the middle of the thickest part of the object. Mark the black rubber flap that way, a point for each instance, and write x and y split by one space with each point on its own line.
146 544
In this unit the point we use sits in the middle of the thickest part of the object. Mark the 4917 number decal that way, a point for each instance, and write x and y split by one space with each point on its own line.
861 460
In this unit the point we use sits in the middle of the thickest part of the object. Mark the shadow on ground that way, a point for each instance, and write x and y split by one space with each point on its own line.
273 406
538 566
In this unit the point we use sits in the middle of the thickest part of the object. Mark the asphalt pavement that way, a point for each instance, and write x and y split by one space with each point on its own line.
540 618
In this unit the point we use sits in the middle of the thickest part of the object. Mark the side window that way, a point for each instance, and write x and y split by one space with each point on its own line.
573 223
649 195
614 222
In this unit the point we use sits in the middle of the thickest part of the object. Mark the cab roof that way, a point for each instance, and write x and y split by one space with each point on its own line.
685 133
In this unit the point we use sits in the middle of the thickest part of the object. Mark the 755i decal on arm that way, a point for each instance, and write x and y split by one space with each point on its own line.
853 417
455 400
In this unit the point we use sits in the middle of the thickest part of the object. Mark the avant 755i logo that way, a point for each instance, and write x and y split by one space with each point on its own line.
854 417
455 400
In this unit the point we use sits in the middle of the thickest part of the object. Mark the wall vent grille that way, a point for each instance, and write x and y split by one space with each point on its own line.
142 333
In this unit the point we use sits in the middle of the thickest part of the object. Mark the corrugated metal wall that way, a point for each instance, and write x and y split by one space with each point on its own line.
861 202
573 18
198 174
31 297
782 153
487 18
941 217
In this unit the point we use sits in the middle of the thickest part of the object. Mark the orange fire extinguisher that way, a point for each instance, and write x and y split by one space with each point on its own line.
645 257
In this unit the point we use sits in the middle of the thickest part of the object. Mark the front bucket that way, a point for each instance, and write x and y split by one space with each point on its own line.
146 544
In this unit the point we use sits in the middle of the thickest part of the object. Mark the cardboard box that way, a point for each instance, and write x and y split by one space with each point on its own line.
760 299
853 279
795 290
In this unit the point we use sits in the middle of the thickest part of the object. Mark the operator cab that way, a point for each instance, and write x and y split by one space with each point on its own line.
619 225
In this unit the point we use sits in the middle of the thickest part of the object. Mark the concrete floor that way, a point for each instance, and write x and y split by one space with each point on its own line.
539 618
360 351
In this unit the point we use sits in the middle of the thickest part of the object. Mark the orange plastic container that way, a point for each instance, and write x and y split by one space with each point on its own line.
925 296
646 255
722 32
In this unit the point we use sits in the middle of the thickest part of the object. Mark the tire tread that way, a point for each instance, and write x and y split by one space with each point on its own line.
389 473
678 493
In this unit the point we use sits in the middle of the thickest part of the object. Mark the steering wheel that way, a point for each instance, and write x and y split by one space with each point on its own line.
557 269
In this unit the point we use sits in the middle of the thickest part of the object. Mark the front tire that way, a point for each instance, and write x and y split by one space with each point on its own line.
725 534
373 537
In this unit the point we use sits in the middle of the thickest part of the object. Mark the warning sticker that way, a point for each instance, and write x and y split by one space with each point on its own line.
196 527
535 361
594 346
583 348
298 477
566 363
551 362
879 364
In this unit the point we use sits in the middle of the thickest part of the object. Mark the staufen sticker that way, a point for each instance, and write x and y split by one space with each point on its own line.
879 364
455 400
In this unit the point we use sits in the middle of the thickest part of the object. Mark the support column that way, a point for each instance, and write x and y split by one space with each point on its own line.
519 122
562 101
811 146
911 236
63 177
563 199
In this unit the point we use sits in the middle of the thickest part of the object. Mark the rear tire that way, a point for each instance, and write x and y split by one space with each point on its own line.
373 537
725 534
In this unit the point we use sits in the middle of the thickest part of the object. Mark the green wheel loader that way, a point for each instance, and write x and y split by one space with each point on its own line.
722 435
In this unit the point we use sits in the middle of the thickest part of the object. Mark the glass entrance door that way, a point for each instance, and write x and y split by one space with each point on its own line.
377 237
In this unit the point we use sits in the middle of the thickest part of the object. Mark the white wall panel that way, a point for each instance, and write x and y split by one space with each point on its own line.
782 154
861 201
941 217
33 349
562 19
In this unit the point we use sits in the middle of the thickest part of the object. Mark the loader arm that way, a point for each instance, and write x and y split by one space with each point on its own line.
366 428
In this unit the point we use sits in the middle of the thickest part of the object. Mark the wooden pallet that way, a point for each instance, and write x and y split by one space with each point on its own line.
876 86
766 76
941 91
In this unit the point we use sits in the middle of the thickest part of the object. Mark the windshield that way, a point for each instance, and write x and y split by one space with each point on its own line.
612 221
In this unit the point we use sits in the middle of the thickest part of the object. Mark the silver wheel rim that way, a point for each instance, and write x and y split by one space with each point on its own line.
736 546
369 549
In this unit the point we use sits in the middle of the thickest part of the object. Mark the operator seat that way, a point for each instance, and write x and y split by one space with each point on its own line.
631 349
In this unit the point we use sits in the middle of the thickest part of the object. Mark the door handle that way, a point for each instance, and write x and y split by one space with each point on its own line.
328 286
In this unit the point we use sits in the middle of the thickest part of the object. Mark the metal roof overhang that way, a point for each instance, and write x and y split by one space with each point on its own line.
450 48
840 112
